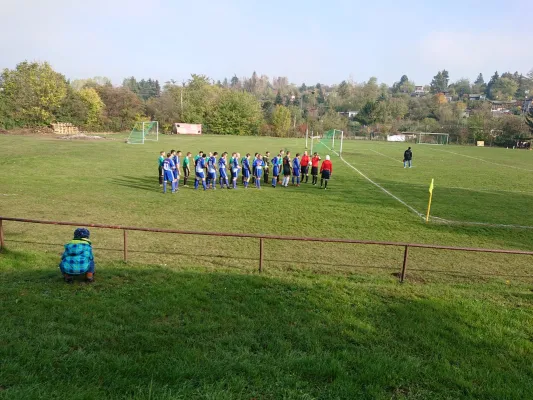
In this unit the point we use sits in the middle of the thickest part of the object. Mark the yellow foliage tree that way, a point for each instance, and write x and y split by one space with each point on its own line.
94 104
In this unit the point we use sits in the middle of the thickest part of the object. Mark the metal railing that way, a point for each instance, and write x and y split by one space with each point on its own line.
261 238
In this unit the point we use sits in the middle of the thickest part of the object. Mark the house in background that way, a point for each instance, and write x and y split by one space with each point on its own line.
349 114
419 91
477 97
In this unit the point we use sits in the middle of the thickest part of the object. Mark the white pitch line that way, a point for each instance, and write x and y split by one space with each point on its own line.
420 215
384 155
480 159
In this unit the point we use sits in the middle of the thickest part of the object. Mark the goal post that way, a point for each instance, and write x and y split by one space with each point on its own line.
332 140
144 131
432 138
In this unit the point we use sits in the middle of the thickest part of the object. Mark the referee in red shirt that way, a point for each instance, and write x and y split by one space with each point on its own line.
304 163
314 167
326 170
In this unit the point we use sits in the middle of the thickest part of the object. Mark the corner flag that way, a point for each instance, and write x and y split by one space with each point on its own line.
430 198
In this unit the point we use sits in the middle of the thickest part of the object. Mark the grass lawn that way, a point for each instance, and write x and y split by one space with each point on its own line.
189 317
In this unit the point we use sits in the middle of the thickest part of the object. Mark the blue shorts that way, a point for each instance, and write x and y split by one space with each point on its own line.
212 175
296 172
200 175
258 173
246 173
235 172
223 173
176 174
168 176
275 171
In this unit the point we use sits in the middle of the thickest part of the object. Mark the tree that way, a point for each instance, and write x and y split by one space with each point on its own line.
529 120
367 115
235 83
462 87
403 86
479 80
73 108
235 113
95 106
122 107
79 84
440 82
33 93
279 99
281 121
491 83
503 89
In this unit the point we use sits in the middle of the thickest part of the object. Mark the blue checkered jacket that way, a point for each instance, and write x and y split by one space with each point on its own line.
77 258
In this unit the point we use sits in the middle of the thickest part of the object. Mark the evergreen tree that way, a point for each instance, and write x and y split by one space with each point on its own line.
491 83
440 82
529 120
279 99
303 88
479 81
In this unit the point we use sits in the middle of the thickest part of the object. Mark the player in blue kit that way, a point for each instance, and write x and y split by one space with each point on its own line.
168 174
275 170
223 174
176 155
200 173
246 169
212 171
235 169
296 169
258 170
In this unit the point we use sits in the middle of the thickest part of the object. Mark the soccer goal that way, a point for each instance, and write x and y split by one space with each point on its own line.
432 138
330 141
144 131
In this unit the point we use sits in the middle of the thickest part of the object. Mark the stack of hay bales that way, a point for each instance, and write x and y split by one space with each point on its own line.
65 128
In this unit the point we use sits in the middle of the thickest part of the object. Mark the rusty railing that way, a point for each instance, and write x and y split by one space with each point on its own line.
261 238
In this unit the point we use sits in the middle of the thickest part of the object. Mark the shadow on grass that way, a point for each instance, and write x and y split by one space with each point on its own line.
184 333
148 183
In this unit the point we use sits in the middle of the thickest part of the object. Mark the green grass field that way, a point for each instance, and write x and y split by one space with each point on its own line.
189 317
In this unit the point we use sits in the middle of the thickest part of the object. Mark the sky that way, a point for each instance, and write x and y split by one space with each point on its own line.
308 41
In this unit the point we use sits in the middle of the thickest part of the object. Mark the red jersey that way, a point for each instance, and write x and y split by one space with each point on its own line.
305 161
327 166
314 161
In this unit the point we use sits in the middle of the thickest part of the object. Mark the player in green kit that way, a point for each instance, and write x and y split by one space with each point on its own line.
186 168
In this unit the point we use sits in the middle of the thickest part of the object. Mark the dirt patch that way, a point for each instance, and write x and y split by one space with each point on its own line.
80 136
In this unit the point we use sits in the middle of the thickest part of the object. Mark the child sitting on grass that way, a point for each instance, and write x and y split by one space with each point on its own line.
78 259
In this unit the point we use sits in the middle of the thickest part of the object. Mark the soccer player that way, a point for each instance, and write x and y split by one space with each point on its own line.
177 161
186 168
407 157
327 170
286 169
314 167
78 258
266 166
275 170
222 171
161 159
235 169
253 168
246 169
305 167
200 172
199 155
258 170
212 171
231 165
296 169
168 171
242 177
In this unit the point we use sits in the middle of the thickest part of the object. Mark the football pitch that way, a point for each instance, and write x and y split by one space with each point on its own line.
190 316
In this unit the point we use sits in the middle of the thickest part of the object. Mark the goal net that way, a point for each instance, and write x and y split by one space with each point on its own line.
331 142
144 131
432 138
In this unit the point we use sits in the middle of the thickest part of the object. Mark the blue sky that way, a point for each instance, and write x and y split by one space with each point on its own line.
307 41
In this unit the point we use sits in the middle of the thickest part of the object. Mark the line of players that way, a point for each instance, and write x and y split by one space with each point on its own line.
206 168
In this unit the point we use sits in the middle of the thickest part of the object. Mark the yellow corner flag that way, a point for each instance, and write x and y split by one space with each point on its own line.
430 198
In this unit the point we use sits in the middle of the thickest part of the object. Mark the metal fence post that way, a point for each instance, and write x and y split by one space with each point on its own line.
405 255
2 244
125 245
261 251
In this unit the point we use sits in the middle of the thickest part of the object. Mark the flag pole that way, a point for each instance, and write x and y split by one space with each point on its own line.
430 198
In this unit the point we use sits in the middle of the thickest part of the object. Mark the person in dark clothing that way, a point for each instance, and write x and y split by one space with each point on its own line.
266 166
407 157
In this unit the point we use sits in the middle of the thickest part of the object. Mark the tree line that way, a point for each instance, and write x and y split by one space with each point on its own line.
33 94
